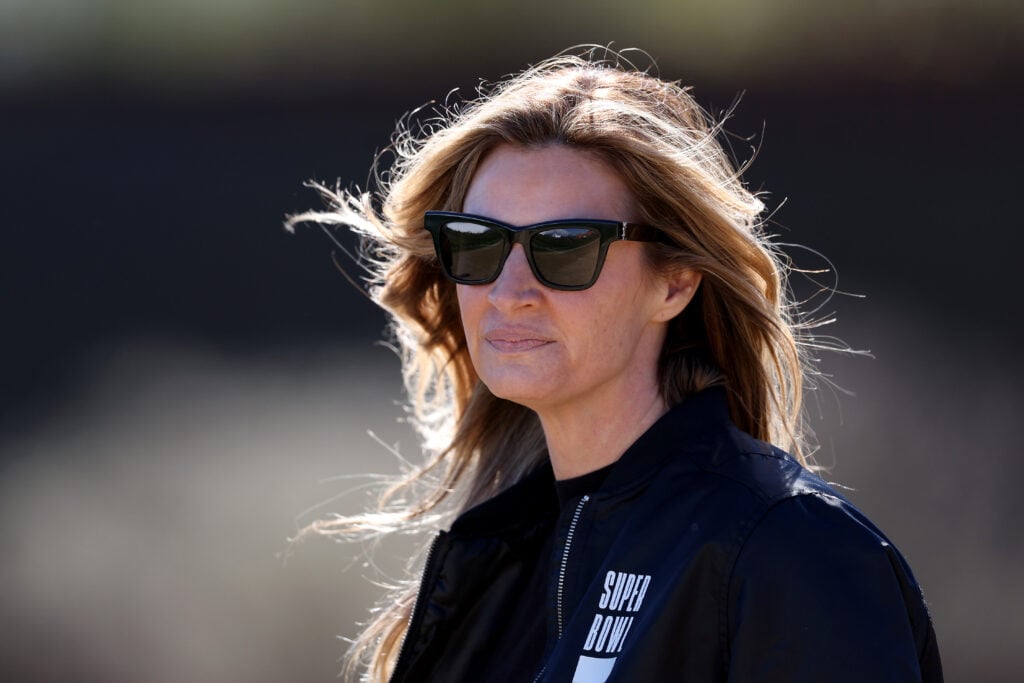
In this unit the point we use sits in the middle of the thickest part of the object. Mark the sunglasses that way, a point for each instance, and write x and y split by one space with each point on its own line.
566 254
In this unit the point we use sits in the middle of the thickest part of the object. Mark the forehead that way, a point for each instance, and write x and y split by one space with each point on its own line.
526 185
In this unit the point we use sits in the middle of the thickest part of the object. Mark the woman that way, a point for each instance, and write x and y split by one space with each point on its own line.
599 351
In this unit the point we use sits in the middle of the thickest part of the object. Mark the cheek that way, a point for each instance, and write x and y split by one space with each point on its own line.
469 300
594 323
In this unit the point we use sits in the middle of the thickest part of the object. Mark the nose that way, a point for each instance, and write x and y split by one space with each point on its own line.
516 286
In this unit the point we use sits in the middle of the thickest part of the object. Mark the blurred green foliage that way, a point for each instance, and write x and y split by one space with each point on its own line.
212 44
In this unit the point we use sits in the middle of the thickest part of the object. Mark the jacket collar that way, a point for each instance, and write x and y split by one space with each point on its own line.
529 502
687 428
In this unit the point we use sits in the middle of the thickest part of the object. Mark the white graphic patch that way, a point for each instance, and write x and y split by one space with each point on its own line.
620 600
593 669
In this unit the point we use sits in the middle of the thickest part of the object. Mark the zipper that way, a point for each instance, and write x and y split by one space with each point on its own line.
428 568
565 563
560 593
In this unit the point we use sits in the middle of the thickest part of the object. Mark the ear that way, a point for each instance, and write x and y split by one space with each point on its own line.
679 289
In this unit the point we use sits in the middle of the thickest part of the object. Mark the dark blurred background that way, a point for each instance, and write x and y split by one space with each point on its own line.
185 385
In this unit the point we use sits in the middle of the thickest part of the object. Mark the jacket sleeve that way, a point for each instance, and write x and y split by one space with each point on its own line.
819 594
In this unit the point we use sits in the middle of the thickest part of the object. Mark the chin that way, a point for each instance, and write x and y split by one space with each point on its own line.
526 393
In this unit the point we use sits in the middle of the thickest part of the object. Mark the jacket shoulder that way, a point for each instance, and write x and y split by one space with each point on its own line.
815 578
761 469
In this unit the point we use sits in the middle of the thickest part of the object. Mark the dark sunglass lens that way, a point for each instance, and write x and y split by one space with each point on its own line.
472 252
566 256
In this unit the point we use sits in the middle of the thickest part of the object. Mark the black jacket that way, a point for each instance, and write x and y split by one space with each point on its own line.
706 555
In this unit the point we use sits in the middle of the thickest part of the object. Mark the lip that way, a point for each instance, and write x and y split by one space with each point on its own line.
516 340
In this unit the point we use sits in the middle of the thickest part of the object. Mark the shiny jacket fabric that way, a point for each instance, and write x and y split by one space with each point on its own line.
706 555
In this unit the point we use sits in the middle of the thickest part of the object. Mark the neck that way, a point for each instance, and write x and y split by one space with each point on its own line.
582 439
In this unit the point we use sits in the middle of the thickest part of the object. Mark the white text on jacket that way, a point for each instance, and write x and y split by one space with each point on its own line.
623 592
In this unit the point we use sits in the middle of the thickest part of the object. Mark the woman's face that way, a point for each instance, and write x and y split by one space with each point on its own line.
549 349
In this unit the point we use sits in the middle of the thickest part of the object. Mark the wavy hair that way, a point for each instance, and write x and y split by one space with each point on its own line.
741 330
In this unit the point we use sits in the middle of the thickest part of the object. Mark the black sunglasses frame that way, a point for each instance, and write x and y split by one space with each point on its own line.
609 231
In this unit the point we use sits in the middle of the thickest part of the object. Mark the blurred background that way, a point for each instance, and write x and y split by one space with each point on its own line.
186 385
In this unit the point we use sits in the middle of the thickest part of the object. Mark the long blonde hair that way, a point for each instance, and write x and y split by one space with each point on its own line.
740 330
